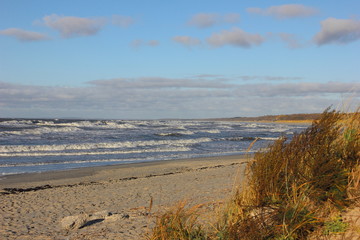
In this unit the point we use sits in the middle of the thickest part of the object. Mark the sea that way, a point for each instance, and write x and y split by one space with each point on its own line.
40 145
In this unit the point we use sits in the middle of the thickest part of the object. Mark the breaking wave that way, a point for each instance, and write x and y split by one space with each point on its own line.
89 146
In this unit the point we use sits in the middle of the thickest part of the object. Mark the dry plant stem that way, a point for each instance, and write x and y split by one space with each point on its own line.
236 183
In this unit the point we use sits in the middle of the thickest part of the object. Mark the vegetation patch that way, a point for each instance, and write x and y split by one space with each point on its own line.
335 225
290 191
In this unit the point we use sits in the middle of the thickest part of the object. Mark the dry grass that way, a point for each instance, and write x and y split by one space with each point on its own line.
178 223
290 191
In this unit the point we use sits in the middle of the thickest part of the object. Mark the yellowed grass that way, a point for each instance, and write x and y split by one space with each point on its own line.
290 191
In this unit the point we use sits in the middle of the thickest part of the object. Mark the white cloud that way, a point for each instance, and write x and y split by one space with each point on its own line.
205 20
300 89
23 35
122 21
285 11
338 31
208 76
235 37
159 82
187 41
69 26
156 97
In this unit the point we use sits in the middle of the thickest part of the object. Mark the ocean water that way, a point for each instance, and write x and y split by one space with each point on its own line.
53 144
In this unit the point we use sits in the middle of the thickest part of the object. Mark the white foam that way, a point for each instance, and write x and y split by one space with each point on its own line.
33 154
211 131
42 130
176 133
18 123
67 163
10 173
90 146
187 132
252 125
269 138
87 124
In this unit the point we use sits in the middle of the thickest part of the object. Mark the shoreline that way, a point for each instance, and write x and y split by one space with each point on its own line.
122 200
83 174
290 122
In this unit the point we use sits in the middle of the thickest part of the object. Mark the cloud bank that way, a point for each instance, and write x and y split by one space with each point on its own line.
69 26
23 35
285 11
338 31
156 97
268 78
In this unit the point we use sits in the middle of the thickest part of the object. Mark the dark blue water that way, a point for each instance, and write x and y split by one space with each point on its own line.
45 145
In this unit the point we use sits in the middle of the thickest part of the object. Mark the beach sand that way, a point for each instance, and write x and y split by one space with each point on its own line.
112 201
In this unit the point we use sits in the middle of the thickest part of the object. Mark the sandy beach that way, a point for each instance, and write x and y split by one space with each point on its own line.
114 201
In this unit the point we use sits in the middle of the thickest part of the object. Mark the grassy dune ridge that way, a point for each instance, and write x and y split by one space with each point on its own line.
295 190
306 118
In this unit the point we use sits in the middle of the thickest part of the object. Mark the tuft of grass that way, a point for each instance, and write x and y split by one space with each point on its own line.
178 223
335 225
289 191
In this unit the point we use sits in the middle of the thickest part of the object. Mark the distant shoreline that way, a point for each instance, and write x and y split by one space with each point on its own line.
287 118
300 122
306 118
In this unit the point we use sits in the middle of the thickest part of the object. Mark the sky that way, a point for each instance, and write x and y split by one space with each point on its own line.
140 59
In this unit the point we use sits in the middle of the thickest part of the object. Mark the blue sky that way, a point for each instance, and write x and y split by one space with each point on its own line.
177 59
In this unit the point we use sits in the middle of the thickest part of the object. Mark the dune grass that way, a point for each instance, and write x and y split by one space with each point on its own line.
291 191
179 223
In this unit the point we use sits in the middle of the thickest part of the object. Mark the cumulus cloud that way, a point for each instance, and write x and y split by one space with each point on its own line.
157 97
285 11
69 26
235 37
187 41
338 31
122 21
205 20
23 35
